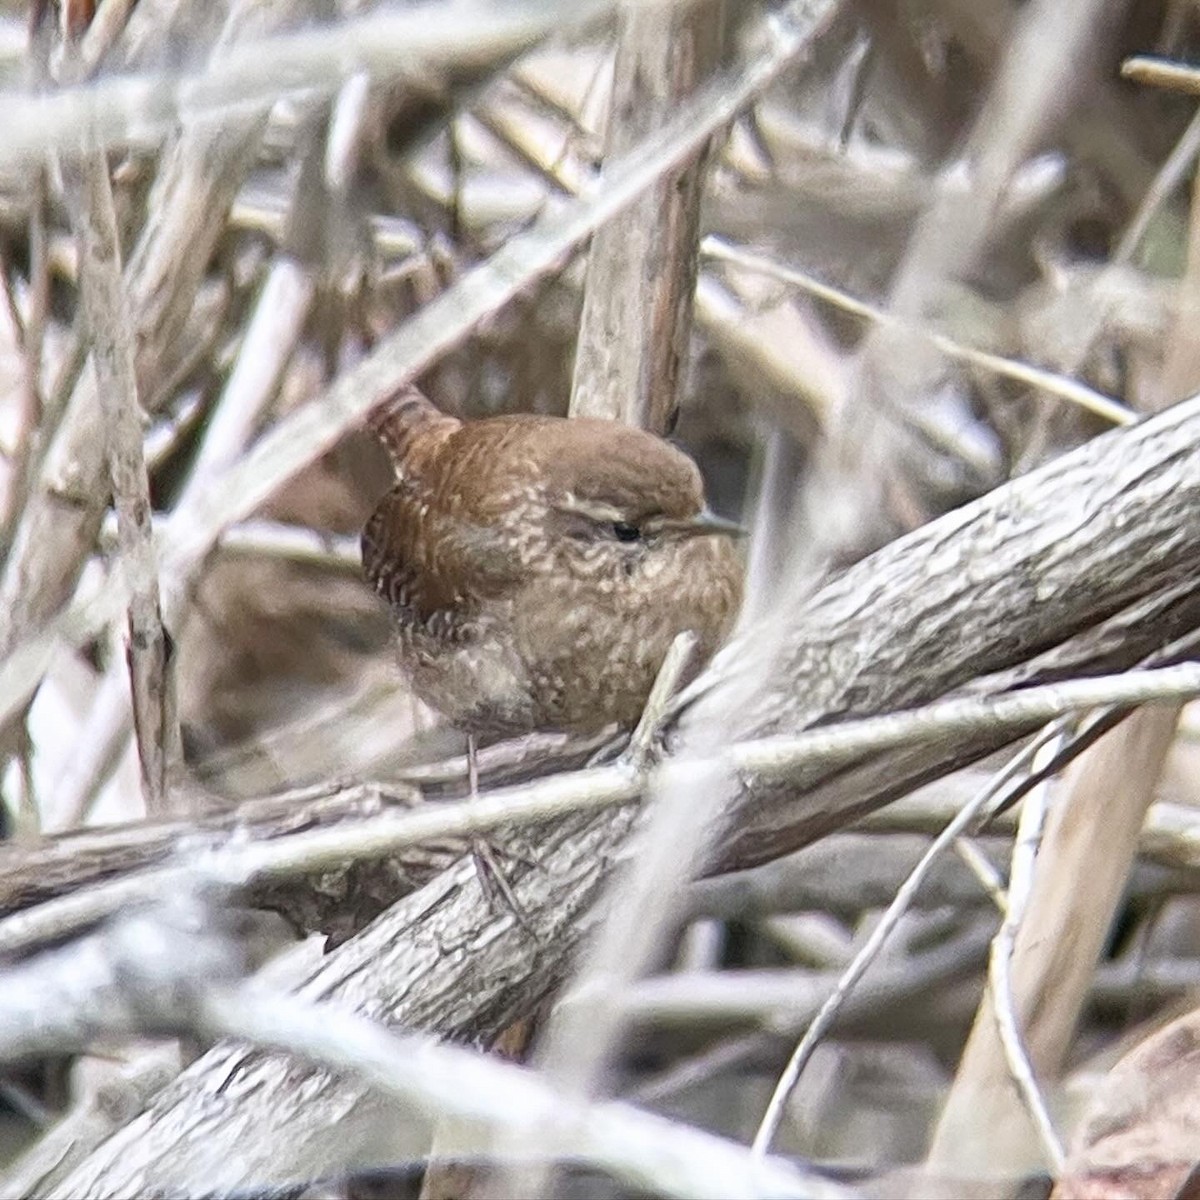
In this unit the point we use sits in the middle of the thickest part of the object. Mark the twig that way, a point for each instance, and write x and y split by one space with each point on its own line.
174 969
105 27
693 796
1021 708
1086 860
572 858
100 1103
1029 90
272 331
1161 72
1166 180
768 758
1021 873
987 875
164 435
655 712
299 543
879 935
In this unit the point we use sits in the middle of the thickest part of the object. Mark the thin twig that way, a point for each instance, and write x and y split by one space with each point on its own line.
987 875
1164 185
596 789
1161 72
1021 708
656 710
1050 382
1021 874
879 935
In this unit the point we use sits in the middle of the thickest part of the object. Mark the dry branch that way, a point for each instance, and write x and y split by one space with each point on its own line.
411 845
1016 585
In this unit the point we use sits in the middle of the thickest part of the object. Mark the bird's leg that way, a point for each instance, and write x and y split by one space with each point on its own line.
472 766
491 876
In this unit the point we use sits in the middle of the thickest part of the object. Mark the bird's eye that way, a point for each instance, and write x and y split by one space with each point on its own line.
625 532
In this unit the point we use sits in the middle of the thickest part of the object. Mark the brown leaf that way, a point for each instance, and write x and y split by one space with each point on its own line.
1141 1140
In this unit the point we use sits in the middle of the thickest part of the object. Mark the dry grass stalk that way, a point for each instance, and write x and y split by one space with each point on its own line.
106 310
637 306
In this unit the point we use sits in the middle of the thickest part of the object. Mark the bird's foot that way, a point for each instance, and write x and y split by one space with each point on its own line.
495 883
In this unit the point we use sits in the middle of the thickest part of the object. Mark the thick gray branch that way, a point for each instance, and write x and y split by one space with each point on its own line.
1082 566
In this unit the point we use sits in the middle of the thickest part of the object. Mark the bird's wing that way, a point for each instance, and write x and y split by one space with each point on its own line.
432 572
388 557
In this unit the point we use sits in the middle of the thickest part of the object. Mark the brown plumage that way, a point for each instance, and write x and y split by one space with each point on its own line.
538 569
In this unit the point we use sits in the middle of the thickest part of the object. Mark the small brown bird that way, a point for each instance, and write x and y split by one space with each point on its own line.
538 569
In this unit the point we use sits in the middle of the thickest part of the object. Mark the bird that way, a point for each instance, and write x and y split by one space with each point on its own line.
538 568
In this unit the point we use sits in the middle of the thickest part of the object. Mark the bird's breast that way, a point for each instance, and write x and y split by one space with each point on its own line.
592 644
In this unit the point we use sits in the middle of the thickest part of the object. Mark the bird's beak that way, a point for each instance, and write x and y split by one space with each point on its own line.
706 522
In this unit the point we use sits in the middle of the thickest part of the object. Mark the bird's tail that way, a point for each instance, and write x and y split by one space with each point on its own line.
406 418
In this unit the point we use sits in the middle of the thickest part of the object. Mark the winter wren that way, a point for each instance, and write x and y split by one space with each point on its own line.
538 568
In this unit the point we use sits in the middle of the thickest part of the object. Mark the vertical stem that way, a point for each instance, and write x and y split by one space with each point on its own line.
106 308
637 308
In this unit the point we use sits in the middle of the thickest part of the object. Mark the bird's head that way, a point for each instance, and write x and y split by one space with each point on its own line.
618 502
